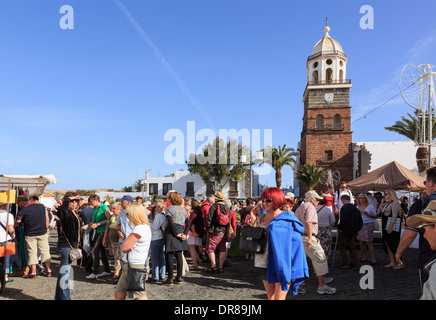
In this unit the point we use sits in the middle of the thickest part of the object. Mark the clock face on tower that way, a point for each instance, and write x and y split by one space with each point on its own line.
328 97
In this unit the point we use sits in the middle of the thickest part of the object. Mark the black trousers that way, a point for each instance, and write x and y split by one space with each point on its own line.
170 263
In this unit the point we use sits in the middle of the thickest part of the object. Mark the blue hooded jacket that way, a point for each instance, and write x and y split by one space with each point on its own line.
286 257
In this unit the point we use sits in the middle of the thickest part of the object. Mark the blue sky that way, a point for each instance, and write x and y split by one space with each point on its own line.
91 105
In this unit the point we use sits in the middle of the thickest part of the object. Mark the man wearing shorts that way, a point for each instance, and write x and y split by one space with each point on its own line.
35 220
216 233
306 213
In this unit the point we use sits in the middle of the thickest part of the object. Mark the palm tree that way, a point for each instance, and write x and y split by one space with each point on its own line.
282 156
411 128
310 175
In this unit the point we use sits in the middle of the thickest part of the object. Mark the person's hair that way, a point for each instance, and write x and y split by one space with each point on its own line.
70 194
345 197
34 198
195 203
175 198
162 204
94 197
117 205
393 194
322 202
277 196
366 203
136 214
22 199
228 203
431 174
250 201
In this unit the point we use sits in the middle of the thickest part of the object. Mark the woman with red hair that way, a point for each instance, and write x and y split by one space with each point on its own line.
283 265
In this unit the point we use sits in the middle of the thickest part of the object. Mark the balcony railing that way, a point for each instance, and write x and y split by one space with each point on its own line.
327 53
332 127
324 82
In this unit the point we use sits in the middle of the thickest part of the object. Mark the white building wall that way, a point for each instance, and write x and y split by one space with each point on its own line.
383 152
180 179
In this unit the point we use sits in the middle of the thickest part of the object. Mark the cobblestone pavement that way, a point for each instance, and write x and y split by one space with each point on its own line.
237 282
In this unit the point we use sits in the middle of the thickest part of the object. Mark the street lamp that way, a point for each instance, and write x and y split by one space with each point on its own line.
258 159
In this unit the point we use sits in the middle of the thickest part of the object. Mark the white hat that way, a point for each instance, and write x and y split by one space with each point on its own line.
312 194
289 195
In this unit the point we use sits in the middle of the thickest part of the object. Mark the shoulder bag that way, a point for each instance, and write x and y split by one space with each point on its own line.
7 248
135 278
253 239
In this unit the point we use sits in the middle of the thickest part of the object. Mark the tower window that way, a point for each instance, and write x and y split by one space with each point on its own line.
329 61
329 75
337 121
315 77
328 155
315 65
319 122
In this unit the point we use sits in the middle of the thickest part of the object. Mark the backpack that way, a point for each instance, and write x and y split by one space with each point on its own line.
222 217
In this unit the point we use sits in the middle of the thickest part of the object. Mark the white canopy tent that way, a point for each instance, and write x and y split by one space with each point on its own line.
34 184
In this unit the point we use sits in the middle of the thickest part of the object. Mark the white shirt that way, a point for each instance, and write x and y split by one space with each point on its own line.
338 201
3 217
139 253
371 210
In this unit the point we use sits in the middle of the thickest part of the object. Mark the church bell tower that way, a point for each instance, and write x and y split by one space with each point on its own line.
326 137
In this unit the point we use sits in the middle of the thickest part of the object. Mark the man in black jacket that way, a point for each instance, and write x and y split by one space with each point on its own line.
350 222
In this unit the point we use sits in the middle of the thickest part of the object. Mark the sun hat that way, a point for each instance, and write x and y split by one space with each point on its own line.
428 215
219 196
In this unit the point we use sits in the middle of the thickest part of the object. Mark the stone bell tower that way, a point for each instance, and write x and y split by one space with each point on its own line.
326 138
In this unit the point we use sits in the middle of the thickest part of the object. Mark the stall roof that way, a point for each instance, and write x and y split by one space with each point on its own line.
33 183
390 176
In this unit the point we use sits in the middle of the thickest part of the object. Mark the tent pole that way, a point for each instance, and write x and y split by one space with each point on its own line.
7 222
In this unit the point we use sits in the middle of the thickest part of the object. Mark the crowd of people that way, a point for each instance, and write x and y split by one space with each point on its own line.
153 238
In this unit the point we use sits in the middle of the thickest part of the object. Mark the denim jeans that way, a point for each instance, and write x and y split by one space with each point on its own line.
158 259
64 282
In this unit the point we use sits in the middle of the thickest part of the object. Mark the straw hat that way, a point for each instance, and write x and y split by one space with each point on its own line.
428 216
219 196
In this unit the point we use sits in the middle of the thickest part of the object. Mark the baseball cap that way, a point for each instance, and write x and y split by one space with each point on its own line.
289 195
127 198
312 194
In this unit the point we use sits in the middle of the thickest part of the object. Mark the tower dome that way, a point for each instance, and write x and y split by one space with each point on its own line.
327 63
327 45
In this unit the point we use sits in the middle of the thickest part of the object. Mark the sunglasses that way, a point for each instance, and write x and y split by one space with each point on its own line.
267 200
421 226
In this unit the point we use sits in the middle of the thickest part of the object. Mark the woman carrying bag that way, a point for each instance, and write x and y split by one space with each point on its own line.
175 236
68 240
134 254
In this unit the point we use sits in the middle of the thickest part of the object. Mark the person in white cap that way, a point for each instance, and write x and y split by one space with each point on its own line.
306 213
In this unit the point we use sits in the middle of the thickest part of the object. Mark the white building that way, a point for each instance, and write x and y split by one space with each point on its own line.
369 156
191 185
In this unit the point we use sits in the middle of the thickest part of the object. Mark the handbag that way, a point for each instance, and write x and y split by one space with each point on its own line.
376 224
135 278
10 249
252 240
75 254
7 248
397 224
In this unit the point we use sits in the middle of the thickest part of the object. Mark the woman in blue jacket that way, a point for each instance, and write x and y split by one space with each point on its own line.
284 259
